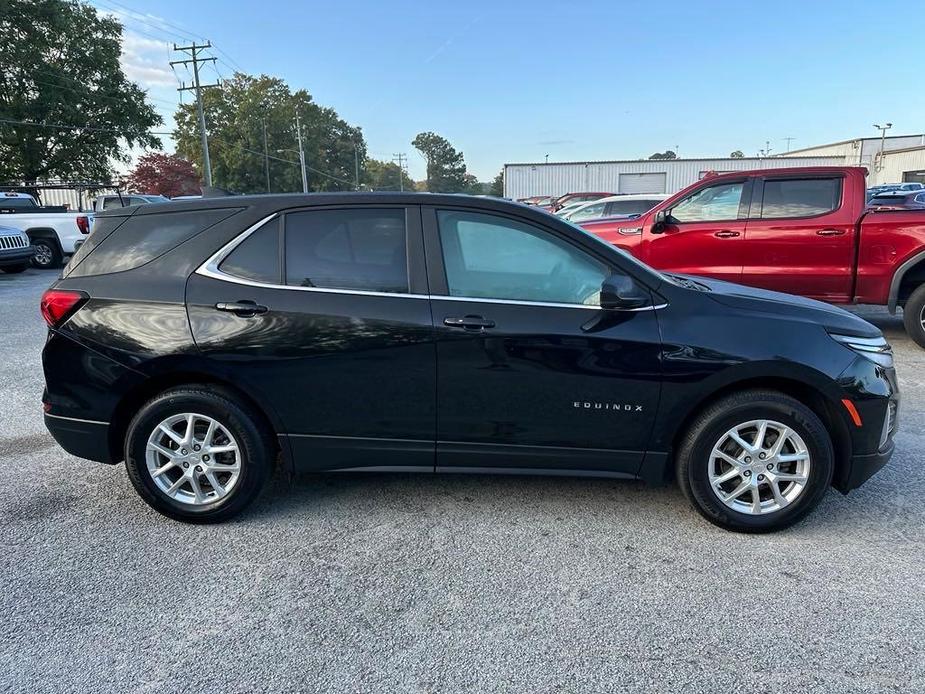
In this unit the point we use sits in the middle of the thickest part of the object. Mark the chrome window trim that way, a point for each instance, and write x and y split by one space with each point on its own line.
210 269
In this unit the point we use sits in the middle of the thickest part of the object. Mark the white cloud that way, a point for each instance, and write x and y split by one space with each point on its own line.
146 61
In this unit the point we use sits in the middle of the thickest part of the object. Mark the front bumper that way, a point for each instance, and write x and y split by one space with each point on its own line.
864 466
16 256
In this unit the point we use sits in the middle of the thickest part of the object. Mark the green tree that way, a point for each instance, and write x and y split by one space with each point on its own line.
446 167
667 154
59 66
738 154
235 117
384 175
497 185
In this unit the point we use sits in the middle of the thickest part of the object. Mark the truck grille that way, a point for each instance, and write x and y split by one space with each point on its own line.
7 242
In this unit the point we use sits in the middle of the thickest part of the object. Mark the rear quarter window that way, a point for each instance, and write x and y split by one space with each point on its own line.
142 238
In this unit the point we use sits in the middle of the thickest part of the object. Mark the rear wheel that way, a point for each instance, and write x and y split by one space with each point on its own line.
15 269
755 461
914 316
197 454
47 254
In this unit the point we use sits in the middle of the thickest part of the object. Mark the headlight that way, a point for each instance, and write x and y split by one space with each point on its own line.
876 349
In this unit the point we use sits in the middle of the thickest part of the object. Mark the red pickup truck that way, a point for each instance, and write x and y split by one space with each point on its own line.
797 230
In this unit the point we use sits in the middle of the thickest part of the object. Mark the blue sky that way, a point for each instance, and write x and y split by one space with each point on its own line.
514 81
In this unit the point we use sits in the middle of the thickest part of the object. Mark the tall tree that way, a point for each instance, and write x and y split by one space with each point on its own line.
59 70
667 154
235 118
738 154
497 185
446 168
384 175
164 174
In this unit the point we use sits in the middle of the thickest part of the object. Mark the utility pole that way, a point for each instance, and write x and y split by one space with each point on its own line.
400 159
266 154
356 166
298 132
882 128
193 51
788 140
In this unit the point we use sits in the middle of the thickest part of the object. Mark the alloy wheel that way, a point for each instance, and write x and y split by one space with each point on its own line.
43 254
193 459
759 467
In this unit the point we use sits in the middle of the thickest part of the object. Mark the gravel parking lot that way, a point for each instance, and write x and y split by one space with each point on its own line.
445 583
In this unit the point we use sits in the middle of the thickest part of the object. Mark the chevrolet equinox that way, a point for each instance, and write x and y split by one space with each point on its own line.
200 341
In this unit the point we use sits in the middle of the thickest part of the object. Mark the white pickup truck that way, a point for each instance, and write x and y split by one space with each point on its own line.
54 232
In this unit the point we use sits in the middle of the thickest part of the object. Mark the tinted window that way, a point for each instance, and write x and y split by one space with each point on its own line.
498 258
257 257
102 228
796 197
714 203
347 249
17 202
142 238
630 206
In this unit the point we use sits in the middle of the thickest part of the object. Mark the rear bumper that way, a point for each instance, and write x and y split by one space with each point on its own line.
16 256
81 437
863 467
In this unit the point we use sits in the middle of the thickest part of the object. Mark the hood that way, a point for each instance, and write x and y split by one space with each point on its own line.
832 318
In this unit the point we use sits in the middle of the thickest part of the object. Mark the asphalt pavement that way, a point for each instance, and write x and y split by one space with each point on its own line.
425 583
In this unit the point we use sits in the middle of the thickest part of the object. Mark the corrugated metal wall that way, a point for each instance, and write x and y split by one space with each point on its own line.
524 180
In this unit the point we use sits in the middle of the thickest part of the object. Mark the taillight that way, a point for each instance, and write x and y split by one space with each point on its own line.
83 223
60 304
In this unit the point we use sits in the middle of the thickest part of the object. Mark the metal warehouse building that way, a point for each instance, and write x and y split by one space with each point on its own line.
895 159
635 175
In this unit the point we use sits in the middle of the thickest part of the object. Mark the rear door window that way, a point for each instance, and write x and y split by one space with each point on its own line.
800 197
353 249
256 258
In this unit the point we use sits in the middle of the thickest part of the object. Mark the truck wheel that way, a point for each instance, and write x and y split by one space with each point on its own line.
755 461
914 316
47 254
15 269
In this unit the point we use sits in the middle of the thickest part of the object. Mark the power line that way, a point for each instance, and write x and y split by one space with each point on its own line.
61 126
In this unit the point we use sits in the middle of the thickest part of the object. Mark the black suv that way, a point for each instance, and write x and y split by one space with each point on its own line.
200 340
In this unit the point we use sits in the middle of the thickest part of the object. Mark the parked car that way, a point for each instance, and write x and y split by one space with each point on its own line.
563 200
537 200
16 250
53 231
899 200
105 202
442 333
800 230
613 206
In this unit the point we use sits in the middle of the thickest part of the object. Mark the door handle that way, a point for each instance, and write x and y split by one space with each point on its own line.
726 234
830 232
244 308
469 322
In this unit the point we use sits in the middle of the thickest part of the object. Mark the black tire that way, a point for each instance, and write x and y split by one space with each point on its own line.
15 269
50 252
914 316
694 454
255 442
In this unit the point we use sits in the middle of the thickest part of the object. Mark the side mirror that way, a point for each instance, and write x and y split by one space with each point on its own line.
622 293
660 222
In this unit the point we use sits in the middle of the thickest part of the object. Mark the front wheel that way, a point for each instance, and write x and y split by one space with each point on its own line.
755 461
914 316
198 454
